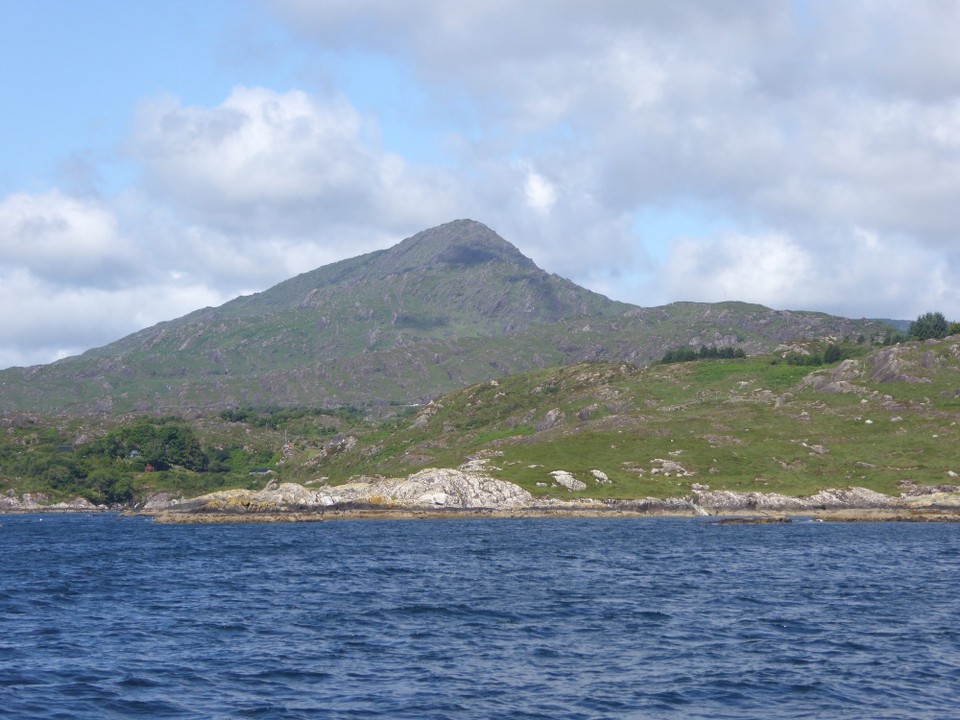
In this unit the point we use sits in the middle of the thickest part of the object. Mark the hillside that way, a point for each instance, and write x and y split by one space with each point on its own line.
885 420
450 306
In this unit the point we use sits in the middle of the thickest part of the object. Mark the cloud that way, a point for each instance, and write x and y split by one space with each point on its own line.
269 184
270 164
859 275
54 320
233 199
819 143
784 116
53 236
539 192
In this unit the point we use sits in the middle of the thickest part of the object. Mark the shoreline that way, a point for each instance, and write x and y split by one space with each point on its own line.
739 517
720 517
449 494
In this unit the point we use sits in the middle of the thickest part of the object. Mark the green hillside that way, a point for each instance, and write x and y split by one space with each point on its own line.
880 420
884 418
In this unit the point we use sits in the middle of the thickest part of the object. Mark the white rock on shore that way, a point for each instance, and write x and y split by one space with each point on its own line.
431 488
434 487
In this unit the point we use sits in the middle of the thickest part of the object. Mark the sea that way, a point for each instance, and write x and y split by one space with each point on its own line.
103 616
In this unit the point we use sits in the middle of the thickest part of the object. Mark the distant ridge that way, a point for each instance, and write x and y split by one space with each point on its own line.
449 306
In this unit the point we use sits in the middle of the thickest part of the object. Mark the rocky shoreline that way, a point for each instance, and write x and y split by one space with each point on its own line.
40 503
469 492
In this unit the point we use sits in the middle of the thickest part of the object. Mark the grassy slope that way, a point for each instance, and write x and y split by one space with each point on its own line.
739 425
757 424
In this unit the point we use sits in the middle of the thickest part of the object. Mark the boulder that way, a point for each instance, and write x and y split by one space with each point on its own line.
600 476
565 479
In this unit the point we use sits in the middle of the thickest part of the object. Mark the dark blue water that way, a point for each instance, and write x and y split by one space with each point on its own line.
106 617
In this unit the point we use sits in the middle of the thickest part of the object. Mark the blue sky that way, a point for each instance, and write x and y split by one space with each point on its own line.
163 156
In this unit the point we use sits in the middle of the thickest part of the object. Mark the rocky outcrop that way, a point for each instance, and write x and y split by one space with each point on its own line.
838 380
669 468
40 502
160 501
471 489
434 487
286 497
852 498
891 365
567 480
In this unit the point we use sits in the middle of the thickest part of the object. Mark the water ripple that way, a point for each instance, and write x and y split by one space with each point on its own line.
113 617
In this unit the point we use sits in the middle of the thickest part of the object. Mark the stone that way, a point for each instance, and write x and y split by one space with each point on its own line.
601 477
565 479
551 419
670 468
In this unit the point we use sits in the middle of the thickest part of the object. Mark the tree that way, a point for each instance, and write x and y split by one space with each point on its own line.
930 325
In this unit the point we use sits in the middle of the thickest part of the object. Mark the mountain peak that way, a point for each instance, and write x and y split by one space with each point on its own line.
458 243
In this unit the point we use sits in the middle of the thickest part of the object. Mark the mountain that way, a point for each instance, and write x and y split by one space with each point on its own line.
449 306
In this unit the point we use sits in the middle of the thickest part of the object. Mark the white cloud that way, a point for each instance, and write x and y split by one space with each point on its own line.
785 116
858 275
539 192
825 135
270 164
57 237
55 320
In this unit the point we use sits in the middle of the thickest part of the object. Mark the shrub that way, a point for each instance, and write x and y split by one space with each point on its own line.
795 358
832 354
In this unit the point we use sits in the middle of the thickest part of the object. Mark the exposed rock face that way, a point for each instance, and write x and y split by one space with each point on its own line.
840 380
853 498
160 501
549 420
889 366
431 488
471 487
273 498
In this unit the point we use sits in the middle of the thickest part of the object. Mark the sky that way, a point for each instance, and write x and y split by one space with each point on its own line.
161 156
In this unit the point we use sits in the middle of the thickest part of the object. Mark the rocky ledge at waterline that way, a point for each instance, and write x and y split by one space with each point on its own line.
40 503
468 492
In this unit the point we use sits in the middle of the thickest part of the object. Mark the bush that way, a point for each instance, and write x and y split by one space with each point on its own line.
795 358
832 354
